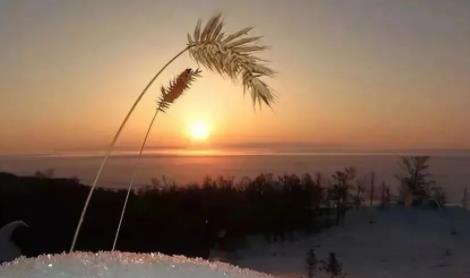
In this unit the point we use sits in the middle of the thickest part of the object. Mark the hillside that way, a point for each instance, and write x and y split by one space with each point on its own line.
401 243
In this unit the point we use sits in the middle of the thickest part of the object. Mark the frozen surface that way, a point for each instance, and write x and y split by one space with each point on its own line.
119 265
403 243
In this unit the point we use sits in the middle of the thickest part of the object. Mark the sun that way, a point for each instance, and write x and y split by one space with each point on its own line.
199 131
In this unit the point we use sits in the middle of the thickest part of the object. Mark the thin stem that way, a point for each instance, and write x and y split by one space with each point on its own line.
131 183
113 143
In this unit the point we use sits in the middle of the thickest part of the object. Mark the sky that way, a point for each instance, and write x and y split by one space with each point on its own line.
360 74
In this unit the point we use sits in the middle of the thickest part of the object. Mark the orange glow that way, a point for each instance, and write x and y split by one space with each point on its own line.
199 131
67 81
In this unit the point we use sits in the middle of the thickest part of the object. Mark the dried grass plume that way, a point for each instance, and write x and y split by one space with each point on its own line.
176 88
232 55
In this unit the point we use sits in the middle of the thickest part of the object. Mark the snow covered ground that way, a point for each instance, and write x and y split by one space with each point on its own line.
403 242
120 265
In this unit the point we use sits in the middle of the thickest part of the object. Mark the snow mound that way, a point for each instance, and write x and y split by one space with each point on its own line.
120 265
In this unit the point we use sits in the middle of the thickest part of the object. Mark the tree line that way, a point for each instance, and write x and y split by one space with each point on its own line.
193 218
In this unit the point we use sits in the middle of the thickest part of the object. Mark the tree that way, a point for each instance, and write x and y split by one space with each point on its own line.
333 267
372 189
371 197
385 198
47 174
358 199
339 191
438 196
415 180
312 263
465 198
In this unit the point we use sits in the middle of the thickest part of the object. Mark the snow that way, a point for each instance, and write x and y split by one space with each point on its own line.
120 265
403 242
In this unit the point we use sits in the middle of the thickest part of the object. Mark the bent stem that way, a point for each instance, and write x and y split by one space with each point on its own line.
131 183
111 147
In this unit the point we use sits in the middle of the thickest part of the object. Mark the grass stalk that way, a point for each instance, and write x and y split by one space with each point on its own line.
131 183
111 147
168 96
230 55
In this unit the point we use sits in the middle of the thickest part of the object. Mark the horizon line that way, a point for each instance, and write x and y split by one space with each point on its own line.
219 152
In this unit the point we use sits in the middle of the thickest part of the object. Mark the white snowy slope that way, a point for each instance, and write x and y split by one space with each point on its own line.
403 242
120 265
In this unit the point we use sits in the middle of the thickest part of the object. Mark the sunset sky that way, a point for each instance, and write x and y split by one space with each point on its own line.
368 75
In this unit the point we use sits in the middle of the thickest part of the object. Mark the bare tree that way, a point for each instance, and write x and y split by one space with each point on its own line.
465 198
372 189
339 191
358 199
415 179
311 263
385 196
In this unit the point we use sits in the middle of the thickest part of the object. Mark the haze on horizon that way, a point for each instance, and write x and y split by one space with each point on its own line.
363 74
